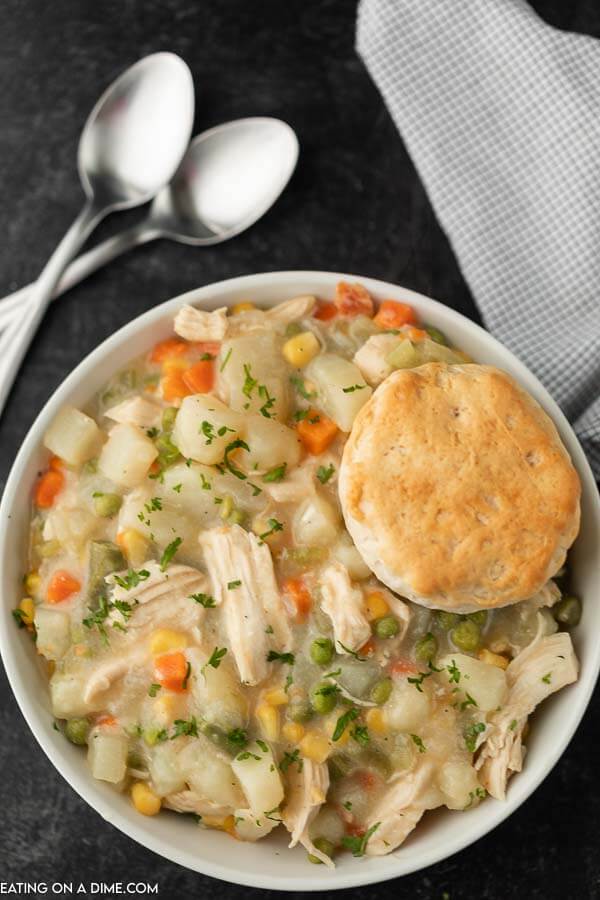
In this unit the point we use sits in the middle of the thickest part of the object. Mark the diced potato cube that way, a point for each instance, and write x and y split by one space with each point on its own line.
259 777
271 444
73 436
127 455
165 770
316 523
341 386
407 709
458 783
53 632
107 756
66 695
486 684
253 376
204 427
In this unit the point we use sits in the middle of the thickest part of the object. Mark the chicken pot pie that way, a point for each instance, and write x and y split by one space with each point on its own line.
214 638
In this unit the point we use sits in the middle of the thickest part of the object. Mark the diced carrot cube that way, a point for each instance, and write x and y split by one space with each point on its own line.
174 387
367 649
325 310
170 670
414 334
61 586
316 432
48 487
164 349
300 597
55 463
353 300
106 720
200 377
392 314
403 667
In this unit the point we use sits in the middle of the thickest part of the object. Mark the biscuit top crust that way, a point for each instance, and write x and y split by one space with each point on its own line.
462 485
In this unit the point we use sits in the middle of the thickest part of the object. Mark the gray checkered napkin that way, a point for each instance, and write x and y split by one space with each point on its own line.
501 116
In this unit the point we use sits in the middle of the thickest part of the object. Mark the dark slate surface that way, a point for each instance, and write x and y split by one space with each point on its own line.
354 204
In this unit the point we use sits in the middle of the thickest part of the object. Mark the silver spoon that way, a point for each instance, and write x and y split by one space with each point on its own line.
229 177
131 144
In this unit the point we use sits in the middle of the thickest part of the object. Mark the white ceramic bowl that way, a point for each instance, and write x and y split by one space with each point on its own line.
269 864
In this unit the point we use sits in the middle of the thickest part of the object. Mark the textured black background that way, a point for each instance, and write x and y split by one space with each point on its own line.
354 204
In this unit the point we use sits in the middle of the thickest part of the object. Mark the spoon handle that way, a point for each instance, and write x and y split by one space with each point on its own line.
16 339
80 268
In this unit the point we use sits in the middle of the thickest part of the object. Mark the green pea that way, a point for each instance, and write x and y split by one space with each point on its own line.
387 627
568 611
466 635
168 418
77 730
324 846
426 648
436 335
321 651
107 505
447 620
478 617
299 711
324 698
167 451
380 692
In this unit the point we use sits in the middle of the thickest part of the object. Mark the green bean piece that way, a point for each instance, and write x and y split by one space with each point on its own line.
168 418
107 505
466 635
447 620
299 711
167 451
387 627
568 611
478 617
321 651
380 692
324 698
77 730
436 335
324 846
426 648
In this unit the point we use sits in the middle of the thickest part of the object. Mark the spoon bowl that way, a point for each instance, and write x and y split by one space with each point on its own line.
135 135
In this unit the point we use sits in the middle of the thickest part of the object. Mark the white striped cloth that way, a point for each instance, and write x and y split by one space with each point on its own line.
501 116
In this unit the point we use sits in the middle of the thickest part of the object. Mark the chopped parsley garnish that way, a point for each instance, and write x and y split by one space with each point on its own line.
153 690
419 743
177 488
232 585
357 845
263 393
207 429
274 526
123 607
343 722
188 672
256 490
268 814
169 553
249 382
205 600
235 445
361 735
324 473
185 727
262 745
351 652
301 388
206 485
513 725
347 805
237 737
288 683
353 387
216 658
287 658
468 702
418 680
154 505
300 415
471 733
454 672
248 755
226 360
547 678
276 474
152 433
478 794
207 357
326 689
289 759
18 615
132 579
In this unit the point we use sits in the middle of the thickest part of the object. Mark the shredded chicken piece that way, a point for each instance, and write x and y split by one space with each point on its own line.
243 582
307 792
111 670
295 487
400 810
158 595
544 667
200 324
191 802
371 358
343 603
290 310
136 411
547 596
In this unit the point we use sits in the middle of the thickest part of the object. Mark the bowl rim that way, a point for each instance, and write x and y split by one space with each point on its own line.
208 297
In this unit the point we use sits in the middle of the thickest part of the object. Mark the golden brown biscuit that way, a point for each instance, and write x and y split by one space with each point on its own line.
456 488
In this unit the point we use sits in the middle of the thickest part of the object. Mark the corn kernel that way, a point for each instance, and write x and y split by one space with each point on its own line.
164 640
376 721
376 606
301 348
293 732
315 746
134 546
221 823
493 659
145 800
276 697
32 584
164 709
27 608
268 718
244 306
